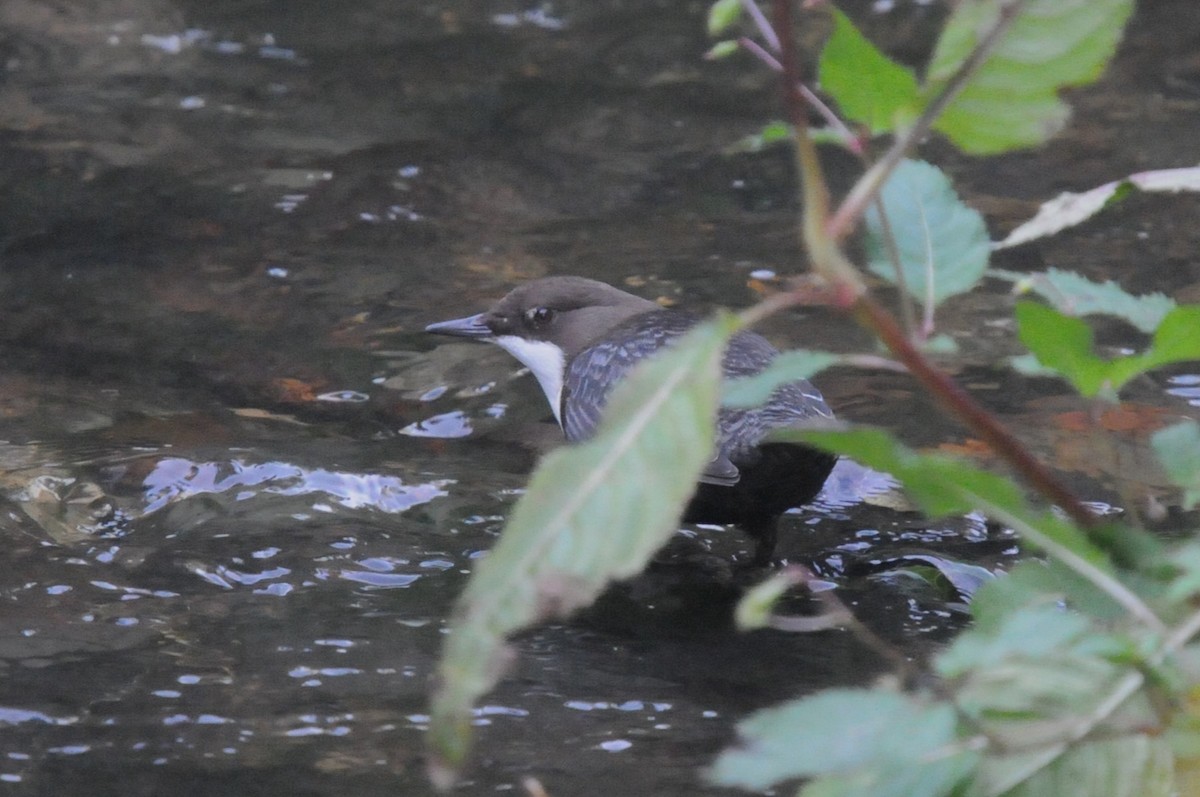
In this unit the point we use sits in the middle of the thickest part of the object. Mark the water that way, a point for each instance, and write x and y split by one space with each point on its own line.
240 489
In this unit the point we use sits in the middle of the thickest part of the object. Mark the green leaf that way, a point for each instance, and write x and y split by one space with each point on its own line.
1012 100
944 486
1026 703
788 366
1036 582
754 609
1178 448
1064 344
1177 339
722 49
1028 632
777 132
592 513
940 344
942 244
869 87
1076 295
867 743
941 485
722 15
771 133
1134 765
1185 561
1028 365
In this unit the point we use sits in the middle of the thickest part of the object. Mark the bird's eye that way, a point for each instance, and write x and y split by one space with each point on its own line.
539 316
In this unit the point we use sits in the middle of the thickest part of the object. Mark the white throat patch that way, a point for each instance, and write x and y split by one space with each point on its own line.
545 360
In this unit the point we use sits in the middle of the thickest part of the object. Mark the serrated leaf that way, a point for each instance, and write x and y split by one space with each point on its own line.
869 87
1076 295
1036 582
1178 449
1064 344
1068 209
1176 340
942 244
1028 632
722 15
1026 702
1128 766
1185 561
592 513
788 366
868 743
1012 100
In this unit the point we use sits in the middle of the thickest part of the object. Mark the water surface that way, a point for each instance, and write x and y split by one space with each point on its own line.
240 489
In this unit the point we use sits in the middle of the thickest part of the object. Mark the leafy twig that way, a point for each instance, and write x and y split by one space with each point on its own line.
960 403
1110 585
1124 689
830 263
849 139
867 187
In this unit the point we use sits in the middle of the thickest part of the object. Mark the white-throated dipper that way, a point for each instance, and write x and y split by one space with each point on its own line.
580 337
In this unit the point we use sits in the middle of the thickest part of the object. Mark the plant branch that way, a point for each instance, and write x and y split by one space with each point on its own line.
851 141
907 318
764 26
837 614
826 259
847 286
870 314
867 187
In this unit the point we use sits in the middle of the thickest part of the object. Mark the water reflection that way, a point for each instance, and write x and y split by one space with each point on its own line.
1186 387
376 165
176 479
175 43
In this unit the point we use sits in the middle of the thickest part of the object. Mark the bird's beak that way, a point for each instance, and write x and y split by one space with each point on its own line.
470 327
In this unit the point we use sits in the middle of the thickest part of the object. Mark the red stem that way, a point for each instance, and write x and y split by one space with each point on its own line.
830 263
873 316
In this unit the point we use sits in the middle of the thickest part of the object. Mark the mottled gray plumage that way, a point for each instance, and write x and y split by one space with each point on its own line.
597 369
581 337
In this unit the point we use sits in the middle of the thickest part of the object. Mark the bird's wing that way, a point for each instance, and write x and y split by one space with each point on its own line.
594 372
590 378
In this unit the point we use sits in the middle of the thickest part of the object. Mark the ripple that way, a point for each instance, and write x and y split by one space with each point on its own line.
379 580
448 425
176 479
18 716
1186 387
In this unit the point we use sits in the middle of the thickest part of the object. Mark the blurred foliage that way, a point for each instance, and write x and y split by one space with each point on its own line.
580 525
1080 674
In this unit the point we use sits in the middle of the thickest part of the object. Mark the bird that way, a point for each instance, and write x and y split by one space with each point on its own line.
580 337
